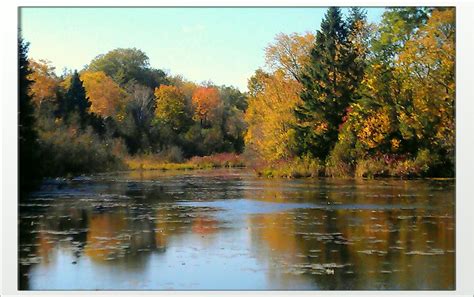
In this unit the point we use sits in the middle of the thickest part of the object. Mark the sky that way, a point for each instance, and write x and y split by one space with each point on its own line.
223 45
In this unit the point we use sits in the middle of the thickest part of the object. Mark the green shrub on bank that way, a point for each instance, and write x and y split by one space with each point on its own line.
69 151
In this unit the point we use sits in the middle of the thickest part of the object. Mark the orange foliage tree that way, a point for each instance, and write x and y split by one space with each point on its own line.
45 82
206 101
106 96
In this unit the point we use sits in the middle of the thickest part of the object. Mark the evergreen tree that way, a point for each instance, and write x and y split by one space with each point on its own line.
75 101
27 140
329 83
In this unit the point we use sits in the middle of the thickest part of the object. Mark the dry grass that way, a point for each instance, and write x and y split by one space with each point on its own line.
153 162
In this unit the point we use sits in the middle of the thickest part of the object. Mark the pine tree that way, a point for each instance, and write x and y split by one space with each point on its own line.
27 140
329 82
75 101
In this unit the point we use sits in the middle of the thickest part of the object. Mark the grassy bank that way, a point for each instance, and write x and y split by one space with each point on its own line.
421 166
153 162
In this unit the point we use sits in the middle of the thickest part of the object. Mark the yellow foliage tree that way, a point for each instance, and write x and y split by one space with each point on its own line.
289 53
45 82
170 106
270 116
106 97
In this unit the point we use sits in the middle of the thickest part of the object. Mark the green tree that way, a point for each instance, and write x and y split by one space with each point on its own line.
128 65
28 144
329 83
75 101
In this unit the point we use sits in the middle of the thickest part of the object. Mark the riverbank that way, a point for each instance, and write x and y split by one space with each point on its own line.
151 162
295 168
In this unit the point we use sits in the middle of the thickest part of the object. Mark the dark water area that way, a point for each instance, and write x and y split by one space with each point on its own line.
228 230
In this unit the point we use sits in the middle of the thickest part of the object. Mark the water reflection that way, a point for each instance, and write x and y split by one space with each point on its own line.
228 230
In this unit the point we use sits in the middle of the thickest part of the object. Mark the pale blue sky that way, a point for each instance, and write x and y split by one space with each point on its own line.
224 45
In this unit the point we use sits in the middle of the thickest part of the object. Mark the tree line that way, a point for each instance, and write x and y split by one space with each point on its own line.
353 99
359 99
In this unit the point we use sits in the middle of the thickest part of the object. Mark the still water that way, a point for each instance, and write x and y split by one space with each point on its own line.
228 230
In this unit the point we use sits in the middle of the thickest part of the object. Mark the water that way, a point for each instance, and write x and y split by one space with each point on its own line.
228 230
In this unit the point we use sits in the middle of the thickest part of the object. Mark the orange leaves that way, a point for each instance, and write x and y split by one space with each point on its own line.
205 101
44 80
106 97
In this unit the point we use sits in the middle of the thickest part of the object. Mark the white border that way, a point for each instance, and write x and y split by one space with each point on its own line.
464 141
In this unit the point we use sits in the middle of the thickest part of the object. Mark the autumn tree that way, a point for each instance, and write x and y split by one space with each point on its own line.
270 116
170 106
45 83
106 97
427 64
290 53
206 101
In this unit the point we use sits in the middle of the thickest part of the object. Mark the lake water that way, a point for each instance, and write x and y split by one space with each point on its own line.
228 230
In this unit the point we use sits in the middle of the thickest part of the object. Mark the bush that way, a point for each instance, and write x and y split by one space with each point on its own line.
371 168
218 160
294 168
69 151
171 154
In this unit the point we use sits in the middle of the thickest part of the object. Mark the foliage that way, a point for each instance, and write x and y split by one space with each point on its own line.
75 100
128 65
29 156
72 151
293 168
44 81
355 99
218 160
206 101
170 107
290 53
107 97
328 83
270 118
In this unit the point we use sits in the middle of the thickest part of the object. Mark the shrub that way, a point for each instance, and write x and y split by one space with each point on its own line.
293 168
371 168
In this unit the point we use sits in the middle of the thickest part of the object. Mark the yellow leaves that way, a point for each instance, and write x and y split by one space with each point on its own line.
289 52
106 97
395 143
375 128
320 128
270 116
44 80
170 105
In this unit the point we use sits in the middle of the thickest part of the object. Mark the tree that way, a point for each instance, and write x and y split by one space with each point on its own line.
290 53
29 172
396 27
270 116
427 66
206 101
329 82
170 107
137 125
75 101
106 97
128 65
45 83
